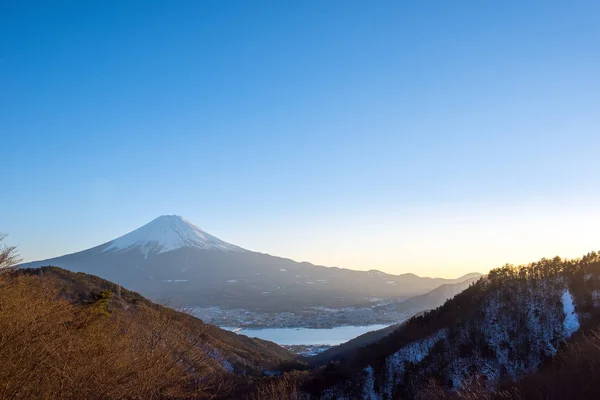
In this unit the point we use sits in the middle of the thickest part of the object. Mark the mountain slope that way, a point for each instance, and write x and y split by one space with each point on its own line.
79 336
170 258
571 374
498 330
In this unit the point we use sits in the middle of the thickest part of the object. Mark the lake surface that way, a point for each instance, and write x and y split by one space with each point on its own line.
307 336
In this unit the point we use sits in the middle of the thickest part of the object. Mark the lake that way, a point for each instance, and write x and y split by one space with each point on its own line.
307 336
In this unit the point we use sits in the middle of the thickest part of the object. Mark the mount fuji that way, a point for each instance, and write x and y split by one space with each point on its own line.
171 259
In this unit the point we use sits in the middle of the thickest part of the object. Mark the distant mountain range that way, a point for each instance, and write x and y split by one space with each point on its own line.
171 259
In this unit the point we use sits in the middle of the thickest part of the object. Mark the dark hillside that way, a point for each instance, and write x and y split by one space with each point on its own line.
571 374
495 332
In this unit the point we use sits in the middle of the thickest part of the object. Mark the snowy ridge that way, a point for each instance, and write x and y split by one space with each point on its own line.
166 233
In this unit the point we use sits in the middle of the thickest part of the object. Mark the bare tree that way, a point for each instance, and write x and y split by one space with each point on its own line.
8 254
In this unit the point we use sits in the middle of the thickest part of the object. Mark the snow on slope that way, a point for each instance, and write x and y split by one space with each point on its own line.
166 233
507 332
571 322
412 353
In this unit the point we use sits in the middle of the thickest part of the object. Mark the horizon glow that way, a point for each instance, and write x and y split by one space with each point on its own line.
462 243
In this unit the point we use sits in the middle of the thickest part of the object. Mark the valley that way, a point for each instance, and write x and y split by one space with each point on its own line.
315 317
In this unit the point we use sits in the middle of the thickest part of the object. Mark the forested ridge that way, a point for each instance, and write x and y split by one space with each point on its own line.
515 323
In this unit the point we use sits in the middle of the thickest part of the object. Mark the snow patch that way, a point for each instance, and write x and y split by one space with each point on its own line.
368 392
571 321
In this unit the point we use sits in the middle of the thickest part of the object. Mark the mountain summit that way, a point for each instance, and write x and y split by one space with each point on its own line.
166 233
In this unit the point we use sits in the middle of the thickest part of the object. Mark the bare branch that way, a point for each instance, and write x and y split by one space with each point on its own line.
8 254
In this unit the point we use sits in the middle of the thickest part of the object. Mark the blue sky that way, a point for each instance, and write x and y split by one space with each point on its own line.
431 137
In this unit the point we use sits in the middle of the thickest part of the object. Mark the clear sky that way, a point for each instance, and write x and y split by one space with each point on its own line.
434 137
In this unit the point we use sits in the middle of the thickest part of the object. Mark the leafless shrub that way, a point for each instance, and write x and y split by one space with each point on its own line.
286 387
51 348
431 390
8 254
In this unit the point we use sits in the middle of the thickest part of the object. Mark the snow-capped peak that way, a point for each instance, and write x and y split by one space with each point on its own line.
166 233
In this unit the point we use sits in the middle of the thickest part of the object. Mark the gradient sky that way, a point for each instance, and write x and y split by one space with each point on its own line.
434 137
